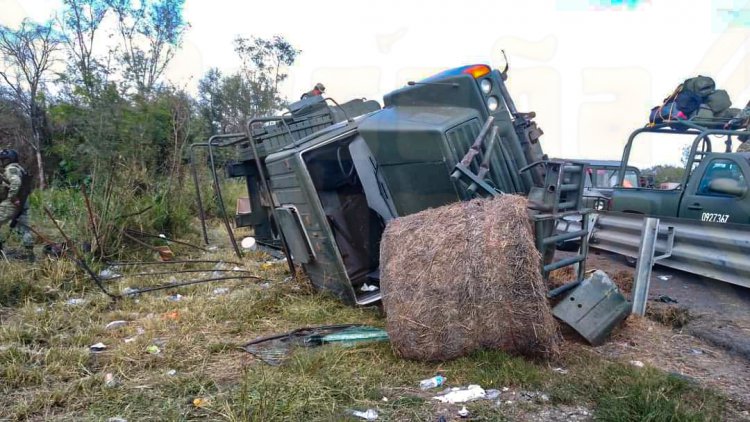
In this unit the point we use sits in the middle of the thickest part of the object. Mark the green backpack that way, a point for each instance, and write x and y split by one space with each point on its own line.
701 85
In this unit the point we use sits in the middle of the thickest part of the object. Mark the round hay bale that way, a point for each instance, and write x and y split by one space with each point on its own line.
465 276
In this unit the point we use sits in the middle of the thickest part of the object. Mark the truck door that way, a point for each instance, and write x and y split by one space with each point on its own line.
719 193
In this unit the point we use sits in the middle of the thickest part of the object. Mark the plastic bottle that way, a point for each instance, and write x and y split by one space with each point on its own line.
433 382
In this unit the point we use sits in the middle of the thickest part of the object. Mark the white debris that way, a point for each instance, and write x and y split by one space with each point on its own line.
637 363
115 324
117 419
248 243
491 394
561 371
175 297
75 301
98 347
108 274
220 291
110 381
664 277
172 372
462 395
368 415
367 288
464 412
129 291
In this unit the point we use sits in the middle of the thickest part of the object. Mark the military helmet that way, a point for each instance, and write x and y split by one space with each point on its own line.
9 156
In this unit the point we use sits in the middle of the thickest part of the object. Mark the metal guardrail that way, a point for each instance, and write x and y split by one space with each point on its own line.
718 251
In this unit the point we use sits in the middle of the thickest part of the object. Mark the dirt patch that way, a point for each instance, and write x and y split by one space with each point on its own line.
652 343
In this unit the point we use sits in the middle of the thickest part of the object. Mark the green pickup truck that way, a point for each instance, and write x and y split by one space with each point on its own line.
713 187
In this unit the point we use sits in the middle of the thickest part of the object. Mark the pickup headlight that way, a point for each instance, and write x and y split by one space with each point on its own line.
493 103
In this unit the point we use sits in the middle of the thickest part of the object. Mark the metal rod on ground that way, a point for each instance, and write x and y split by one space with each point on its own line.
79 258
178 272
156 236
185 261
644 265
189 283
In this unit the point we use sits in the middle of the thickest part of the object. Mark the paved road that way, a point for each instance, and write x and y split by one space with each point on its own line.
721 310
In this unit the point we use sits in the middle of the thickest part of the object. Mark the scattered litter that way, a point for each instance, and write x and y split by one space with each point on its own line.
368 415
39 310
115 324
664 277
637 363
531 395
506 389
433 382
666 299
75 301
165 254
98 347
265 285
462 395
696 351
175 297
248 243
274 349
110 381
153 349
385 399
174 315
212 248
172 372
220 291
130 339
139 330
491 394
129 291
561 371
108 274
367 288
200 402
117 419
464 412
162 236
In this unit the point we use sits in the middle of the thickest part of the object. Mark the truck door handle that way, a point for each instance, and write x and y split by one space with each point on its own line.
696 207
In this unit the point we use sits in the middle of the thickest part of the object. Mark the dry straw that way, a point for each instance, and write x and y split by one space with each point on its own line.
465 276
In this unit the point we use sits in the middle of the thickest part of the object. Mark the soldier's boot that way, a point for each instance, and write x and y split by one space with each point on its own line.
30 254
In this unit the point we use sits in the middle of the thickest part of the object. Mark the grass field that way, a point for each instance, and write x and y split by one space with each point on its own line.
47 371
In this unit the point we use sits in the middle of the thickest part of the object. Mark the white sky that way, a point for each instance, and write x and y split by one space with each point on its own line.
591 73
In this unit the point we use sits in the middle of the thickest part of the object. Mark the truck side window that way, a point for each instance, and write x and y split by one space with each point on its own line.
720 169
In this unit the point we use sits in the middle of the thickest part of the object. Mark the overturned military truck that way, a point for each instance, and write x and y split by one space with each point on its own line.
324 178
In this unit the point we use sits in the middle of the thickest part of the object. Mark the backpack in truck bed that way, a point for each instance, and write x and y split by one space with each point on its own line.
701 85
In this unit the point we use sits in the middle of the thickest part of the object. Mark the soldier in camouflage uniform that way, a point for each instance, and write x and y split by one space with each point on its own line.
10 187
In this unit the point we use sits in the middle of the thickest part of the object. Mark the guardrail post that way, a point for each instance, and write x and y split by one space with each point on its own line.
644 265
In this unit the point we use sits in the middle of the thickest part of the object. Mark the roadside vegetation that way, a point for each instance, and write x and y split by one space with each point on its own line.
47 371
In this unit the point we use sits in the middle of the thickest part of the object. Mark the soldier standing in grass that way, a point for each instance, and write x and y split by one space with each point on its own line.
15 185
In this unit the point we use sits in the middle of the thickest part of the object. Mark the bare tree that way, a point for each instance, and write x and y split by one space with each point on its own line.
80 21
151 33
26 56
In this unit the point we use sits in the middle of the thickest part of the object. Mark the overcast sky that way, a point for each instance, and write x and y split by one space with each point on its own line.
591 71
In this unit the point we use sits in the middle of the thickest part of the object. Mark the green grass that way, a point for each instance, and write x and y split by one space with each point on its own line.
47 372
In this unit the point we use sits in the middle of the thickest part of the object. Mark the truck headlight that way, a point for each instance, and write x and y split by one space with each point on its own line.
492 103
486 86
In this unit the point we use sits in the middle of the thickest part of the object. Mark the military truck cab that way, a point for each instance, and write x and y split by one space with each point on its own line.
713 187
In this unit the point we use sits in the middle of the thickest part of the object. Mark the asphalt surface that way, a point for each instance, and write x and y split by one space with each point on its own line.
720 312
